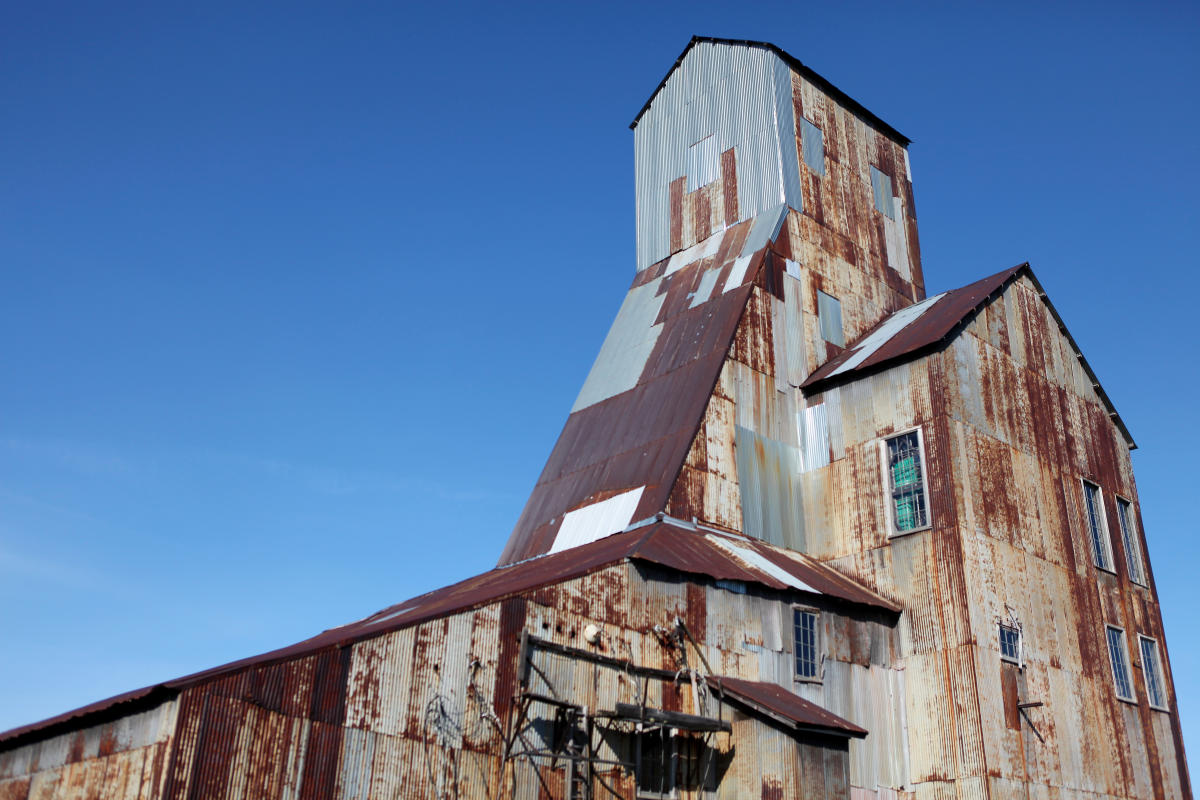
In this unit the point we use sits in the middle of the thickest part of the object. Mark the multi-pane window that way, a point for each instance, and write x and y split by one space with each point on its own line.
812 142
1133 553
1097 531
1119 656
808 658
829 313
906 482
881 185
1152 671
1010 643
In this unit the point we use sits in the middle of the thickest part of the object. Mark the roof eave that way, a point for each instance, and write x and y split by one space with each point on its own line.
792 62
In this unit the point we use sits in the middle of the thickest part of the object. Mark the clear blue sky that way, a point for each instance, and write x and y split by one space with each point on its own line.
295 300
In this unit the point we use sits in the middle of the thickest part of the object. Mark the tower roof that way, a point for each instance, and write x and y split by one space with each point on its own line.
819 80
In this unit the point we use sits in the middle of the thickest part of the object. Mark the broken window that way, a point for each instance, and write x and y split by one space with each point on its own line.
906 481
812 142
1119 656
1133 553
829 313
1152 672
881 185
806 650
1097 531
1010 643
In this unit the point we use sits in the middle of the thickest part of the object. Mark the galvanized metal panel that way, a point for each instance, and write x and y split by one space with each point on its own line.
730 92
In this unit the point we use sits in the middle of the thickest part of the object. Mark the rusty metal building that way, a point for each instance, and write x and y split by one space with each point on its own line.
807 532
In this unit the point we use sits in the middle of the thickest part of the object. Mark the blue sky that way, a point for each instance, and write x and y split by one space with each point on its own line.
294 300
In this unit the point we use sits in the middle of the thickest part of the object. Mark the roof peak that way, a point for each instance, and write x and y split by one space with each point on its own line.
820 80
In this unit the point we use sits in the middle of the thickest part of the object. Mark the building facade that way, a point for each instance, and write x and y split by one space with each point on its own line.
807 532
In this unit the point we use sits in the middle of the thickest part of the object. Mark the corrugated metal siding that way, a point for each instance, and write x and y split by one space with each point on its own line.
733 94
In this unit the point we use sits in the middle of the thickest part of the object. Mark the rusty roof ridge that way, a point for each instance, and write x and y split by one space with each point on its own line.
813 384
792 62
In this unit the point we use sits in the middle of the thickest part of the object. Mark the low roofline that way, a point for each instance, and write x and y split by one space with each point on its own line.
792 62
826 376
692 553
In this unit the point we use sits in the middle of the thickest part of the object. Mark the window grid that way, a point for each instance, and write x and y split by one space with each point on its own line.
907 481
1010 643
1152 670
807 663
1120 662
1095 519
1132 552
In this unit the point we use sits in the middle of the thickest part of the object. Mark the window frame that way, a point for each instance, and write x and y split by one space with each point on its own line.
1113 666
1103 534
888 489
818 645
1020 659
1130 540
1158 674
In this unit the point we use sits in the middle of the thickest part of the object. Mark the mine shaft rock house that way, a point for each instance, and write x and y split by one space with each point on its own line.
807 532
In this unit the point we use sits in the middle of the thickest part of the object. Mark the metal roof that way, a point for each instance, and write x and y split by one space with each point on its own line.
646 394
820 81
669 543
777 702
929 326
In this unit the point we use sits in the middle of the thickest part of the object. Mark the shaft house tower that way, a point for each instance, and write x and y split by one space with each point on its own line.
807 532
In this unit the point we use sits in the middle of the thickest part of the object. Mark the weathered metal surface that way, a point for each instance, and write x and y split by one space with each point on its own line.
695 409
780 702
730 95
640 436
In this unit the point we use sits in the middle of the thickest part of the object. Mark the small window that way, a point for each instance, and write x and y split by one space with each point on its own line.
1153 674
829 313
812 142
807 651
881 185
1119 657
1010 643
1097 531
703 163
1133 553
906 483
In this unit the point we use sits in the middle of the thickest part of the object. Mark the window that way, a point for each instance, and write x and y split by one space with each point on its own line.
806 645
881 185
703 164
1097 530
1119 657
1152 673
1010 643
906 482
1133 553
829 312
812 142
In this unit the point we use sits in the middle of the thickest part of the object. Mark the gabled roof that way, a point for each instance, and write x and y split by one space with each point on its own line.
932 324
784 706
820 81
669 543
